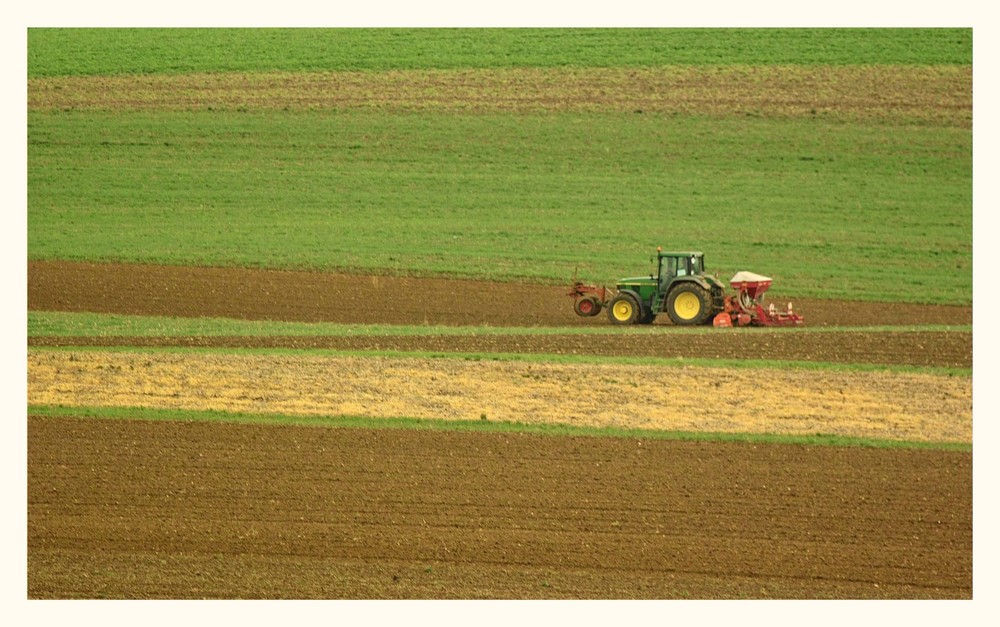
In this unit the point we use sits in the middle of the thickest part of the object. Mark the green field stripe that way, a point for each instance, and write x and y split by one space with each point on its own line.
103 51
69 324
860 211
483 426
673 362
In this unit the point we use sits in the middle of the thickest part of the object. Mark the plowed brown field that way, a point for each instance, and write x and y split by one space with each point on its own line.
323 297
133 509
328 297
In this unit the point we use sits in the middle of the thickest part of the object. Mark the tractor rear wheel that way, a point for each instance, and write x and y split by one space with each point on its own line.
623 309
689 304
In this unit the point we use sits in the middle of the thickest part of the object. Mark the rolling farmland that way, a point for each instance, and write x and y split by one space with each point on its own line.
298 325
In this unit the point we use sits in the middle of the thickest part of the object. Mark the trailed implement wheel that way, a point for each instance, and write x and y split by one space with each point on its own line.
587 306
689 304
623 309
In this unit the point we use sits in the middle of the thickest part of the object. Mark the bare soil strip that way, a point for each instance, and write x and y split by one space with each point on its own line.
326 297
937 349
132 509
940 94
251 294
895 406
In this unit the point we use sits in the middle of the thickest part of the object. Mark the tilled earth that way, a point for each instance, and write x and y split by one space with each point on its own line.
925 348
322 297
134 509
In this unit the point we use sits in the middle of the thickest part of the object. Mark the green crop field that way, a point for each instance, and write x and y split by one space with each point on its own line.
59 52
871 208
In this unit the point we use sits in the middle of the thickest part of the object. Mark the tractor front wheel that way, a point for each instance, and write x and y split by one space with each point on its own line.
689 304
623 309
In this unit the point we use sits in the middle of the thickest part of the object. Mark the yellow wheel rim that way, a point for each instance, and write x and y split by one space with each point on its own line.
687 306
622 310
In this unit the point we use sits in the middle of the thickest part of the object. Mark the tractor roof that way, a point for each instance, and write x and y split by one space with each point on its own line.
681 253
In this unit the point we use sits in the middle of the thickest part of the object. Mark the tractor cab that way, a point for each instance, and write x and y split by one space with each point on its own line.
677 264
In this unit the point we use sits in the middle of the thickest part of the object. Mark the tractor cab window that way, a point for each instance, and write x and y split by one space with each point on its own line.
671 267
683 266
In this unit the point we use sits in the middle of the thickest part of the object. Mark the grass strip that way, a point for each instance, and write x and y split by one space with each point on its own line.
67 324
483 426
674 362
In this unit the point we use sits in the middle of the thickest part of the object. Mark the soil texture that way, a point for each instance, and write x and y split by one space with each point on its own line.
324 297
133 509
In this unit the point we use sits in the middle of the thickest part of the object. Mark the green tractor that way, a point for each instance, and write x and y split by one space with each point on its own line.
680 288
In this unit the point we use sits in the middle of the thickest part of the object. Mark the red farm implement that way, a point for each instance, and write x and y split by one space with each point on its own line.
746 308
